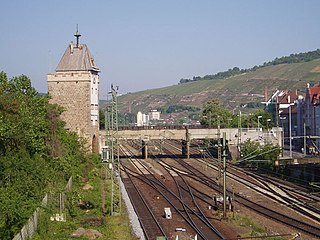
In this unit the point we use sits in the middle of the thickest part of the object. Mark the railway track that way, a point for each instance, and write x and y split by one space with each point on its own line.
290 221
185 192
178 199
274 188
149 223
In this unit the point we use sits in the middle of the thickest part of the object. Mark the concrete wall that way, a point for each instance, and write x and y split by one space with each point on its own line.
274 136
306 172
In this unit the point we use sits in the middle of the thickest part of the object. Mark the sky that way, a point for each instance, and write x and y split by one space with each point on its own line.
147 44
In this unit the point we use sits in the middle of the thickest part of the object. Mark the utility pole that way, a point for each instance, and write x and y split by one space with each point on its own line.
239 134
112 145
219 149
304 139
224 176
277 113
290 140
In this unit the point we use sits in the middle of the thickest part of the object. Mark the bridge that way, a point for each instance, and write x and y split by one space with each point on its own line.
235 136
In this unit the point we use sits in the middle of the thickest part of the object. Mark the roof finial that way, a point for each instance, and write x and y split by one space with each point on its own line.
77 35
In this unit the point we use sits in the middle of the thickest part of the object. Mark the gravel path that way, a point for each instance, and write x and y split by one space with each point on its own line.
134 221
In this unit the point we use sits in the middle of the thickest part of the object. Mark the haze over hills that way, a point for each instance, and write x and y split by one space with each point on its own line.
245 90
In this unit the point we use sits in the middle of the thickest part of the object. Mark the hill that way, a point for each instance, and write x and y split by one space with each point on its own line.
245 90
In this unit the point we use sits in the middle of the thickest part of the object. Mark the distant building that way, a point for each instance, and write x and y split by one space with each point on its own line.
312 115
139 119
75 86
154 115
283 105
304 114
279 101
142 119
145 119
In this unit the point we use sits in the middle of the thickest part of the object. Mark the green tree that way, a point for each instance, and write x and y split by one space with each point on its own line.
37 154
265 120
23 122
214 114
253 154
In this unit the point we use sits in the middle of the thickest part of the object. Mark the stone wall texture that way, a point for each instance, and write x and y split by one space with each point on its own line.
71 90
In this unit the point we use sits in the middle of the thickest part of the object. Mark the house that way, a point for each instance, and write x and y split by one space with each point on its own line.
154 115
285 108
312 116
304 115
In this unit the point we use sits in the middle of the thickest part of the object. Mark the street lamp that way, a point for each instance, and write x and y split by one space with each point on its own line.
282 120
259 122
268 122
239 133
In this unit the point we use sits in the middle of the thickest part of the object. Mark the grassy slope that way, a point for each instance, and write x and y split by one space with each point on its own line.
116 227
231 91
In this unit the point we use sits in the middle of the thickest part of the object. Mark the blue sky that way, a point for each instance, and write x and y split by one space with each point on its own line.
145 44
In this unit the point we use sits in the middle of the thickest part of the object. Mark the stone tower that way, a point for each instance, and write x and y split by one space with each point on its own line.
75 86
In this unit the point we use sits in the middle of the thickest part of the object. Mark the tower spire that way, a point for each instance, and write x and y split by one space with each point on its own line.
77 35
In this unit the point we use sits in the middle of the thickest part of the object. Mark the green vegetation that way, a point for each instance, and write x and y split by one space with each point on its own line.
178 108
251 120
255 155
113 227
254 229
102 118
124 119
243 91
38 156
214 114
293 58
220 75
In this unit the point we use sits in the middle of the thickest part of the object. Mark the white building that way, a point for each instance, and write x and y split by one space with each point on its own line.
139 119
142 119
154 115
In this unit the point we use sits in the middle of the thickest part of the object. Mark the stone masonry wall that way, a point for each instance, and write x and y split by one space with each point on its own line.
71 90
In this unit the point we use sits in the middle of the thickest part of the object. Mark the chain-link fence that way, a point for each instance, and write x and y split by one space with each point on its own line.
58 201
29 229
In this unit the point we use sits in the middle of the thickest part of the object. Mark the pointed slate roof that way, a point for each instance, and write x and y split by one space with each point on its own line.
77 58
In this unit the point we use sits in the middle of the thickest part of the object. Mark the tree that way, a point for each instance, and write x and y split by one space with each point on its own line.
214 114
37 154
265 119
102 118
22 116
253 154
